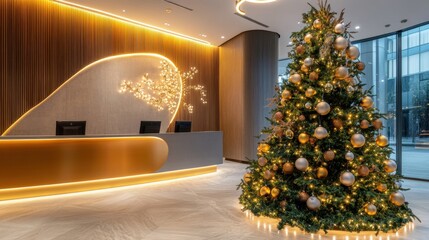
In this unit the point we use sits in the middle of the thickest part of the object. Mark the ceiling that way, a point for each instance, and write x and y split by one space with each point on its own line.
211 19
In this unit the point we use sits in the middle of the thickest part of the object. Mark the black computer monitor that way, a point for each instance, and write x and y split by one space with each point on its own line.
150 126
182 126
70 127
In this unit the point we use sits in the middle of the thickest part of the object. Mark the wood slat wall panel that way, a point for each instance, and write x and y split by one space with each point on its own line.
43 44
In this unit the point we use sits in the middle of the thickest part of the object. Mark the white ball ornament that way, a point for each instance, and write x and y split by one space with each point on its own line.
339 28
347 178
323 108
352 53
308 38
301 164
350 156
341 43
295 78
308 62
341 72
357 140
320 132
317 24
313 203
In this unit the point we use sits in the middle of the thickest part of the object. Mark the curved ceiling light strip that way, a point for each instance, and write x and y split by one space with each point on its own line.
238 4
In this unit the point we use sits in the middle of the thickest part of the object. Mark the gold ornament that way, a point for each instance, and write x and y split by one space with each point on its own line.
264 191
303 138
310 92
320 132
322 172
329 155
278 131
357 140
303 196
360 66
339 28
268 175
341 72
304 68
262 161
301 164
286 94
363 171
275 167
347 178
247 177
283 102
350 156
295 78
317 24
366 102
308 38
313 203
263 147
300 49
370 209
288 168
314 76
323 108
278 116
308 62
390 166
289 134
377 124
364 124
381 187
301 117
397 198
283 204
382 141
338 123
329 87
352 53
341 43
275 192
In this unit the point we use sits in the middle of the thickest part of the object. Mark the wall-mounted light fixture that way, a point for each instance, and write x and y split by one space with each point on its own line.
238 4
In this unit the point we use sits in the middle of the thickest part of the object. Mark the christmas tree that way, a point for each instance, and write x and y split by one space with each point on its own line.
324 163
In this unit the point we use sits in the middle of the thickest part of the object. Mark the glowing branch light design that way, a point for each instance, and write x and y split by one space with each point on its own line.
238 4
168 92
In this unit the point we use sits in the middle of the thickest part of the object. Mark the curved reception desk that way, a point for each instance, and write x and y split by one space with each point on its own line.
40 166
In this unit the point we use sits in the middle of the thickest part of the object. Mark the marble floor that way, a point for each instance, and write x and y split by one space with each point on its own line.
203 207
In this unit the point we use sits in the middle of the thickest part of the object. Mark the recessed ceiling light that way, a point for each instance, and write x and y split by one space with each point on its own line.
168 10
123 10
222 37
203 35
404 20
357 27
166 24
387 25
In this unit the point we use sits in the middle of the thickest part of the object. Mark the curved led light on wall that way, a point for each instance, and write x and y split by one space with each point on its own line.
141 24
238 4
92 95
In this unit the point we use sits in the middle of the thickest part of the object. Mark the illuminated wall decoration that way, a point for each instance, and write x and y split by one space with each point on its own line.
92 95
167 91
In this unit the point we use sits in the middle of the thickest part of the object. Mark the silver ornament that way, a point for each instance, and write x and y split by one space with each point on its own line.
352 53
323 108
339 28
295 78
320 132
313 203
397 198
390 166
347 178
289 134
341 43
357 140
301 164
350 89
328 87
308 105
341 72
308 62
350 156
317 24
